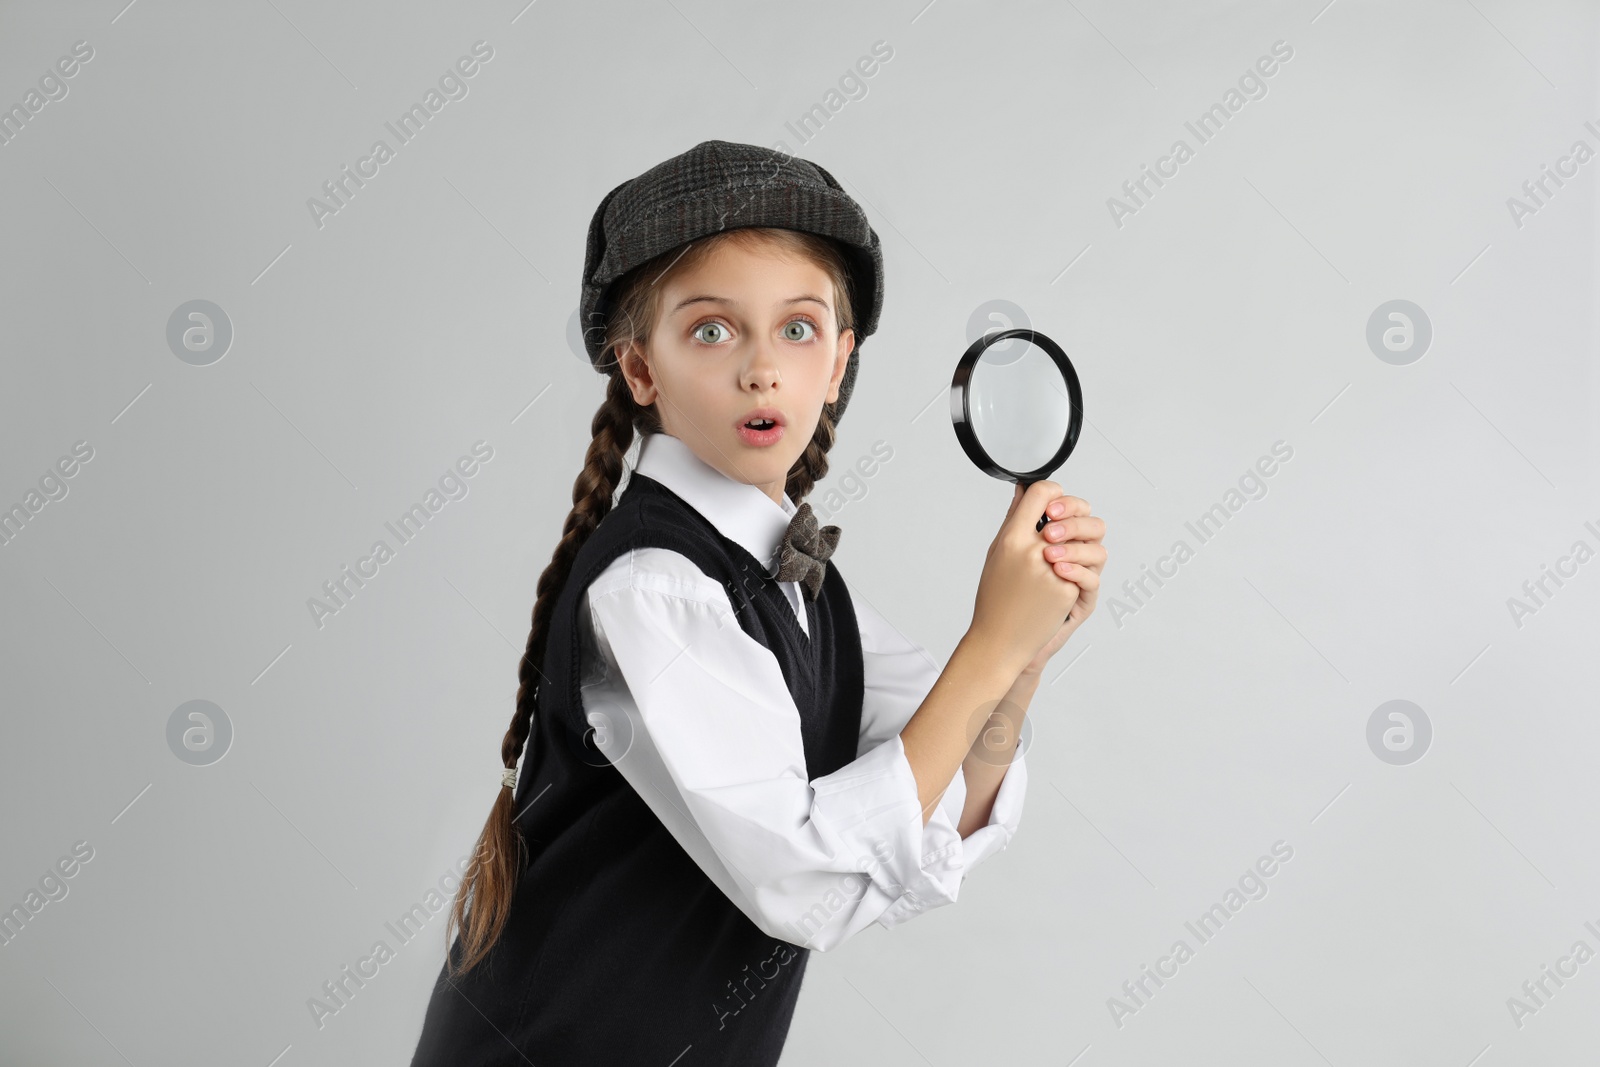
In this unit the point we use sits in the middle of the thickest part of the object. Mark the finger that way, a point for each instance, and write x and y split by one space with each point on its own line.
1041 493
1055 510
1085 579
1077 590
1033 501
1085 553
1075 528
1058 531
1066 506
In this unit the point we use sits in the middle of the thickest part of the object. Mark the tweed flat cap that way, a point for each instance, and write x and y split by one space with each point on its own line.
717 186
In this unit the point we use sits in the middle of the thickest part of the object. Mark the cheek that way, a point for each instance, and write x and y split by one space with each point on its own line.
674 369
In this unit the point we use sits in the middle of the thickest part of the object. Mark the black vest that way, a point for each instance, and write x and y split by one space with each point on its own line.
619 949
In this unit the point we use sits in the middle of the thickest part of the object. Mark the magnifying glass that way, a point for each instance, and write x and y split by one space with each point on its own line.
1017 406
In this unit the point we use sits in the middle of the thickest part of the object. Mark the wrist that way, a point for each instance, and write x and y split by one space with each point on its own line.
1029 676
999 655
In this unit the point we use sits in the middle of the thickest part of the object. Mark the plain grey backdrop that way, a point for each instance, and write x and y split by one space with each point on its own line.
1420 541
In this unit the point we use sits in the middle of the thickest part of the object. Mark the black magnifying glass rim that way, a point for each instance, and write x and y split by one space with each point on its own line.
961 410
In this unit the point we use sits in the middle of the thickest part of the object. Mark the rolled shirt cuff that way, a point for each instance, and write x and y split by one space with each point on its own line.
873 805
948 858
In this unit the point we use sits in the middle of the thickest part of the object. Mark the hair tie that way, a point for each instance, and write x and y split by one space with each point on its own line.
508 777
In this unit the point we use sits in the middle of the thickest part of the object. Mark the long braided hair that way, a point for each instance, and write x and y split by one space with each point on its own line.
490 879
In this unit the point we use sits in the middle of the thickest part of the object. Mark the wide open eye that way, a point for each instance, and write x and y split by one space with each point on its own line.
790 330
716 338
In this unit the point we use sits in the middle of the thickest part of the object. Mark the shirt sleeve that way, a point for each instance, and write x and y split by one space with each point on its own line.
698 719
899 675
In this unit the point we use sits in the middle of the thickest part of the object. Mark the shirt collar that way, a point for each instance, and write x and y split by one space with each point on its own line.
741 512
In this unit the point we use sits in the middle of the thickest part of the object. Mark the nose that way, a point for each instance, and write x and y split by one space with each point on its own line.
760 371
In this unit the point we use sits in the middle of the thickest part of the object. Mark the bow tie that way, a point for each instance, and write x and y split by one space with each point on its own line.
805 550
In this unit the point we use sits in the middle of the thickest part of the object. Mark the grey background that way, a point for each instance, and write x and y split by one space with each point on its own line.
1172 746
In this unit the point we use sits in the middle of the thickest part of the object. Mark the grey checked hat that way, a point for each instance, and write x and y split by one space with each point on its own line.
717 186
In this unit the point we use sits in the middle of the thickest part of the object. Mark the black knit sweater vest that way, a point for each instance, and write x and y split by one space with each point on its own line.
619 949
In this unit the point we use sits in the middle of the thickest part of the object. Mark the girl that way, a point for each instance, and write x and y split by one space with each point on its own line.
735 761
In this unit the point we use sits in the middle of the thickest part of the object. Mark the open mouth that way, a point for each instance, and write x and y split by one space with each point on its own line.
762 431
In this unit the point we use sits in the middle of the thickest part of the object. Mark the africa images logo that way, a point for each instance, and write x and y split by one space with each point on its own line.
1252 85
341 189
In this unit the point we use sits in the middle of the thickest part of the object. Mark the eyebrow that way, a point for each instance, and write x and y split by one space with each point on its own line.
734 303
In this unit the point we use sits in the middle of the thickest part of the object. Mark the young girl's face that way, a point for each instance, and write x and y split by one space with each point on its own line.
745 329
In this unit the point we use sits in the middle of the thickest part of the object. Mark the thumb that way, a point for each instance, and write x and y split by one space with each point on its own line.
1016 495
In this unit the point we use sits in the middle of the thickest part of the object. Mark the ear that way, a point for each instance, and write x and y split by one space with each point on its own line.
841 363
636 371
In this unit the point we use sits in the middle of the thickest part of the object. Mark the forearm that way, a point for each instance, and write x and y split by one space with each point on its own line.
939 736
990 757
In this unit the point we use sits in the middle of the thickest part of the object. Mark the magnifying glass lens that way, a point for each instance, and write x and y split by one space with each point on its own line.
1019 405
1016 405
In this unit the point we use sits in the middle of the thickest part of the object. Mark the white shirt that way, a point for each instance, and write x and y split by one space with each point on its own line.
697 717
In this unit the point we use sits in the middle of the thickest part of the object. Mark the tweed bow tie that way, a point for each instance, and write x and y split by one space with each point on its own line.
805 551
